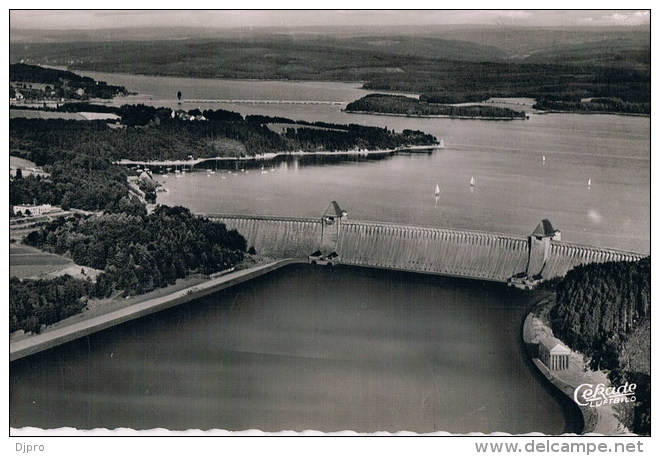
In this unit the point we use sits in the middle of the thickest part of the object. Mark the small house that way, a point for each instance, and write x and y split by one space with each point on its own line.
554 354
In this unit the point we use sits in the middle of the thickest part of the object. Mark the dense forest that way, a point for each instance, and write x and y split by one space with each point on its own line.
594 105
137 253
601 310
59 84
81 175
407 106
33 303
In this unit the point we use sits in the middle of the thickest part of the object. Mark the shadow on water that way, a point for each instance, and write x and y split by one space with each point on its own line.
295 161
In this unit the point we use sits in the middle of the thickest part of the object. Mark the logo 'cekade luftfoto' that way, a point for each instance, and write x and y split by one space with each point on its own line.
597 395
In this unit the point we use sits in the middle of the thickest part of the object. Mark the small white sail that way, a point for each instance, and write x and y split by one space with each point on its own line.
437 190
589 183
544 159
472 182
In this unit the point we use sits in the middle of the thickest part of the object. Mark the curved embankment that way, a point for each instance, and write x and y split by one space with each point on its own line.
576 422
461 253
59 336
603 420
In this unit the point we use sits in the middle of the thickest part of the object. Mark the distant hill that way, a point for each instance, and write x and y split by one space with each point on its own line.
445 62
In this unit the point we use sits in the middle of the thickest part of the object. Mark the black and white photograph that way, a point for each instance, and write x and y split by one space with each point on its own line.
330 222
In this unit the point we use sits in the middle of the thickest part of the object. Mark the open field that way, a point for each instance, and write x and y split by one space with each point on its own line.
25 261
34 114
17 162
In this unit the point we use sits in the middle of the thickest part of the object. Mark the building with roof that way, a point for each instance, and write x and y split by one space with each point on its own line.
554 354
545 230
334 213
32 209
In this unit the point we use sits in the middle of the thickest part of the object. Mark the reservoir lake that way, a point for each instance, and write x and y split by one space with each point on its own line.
329 349
351 348
515 188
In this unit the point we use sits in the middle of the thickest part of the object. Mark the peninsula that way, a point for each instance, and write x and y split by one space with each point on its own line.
400 105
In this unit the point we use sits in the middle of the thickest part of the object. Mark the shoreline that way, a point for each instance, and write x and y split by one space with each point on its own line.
274 155
433 116
596 421
611 113
36 343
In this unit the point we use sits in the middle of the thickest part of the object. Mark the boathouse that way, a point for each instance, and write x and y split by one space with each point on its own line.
554 354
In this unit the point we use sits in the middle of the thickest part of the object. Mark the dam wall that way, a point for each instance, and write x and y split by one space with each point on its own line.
277 237
432 250
461 253
565 256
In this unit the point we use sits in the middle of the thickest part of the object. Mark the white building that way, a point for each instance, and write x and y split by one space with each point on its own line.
554 354
32 209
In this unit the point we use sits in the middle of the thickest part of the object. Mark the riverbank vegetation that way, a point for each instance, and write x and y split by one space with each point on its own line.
137 254
79 155
407 106
604 311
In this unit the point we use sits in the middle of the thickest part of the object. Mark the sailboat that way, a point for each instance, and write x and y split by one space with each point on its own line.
544 159
589 183
437 190
472 182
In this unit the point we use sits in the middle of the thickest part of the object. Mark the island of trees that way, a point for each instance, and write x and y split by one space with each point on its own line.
604 311
594 105
407 106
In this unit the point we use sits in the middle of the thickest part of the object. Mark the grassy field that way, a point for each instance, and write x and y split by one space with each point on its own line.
33 114
16 162
25 261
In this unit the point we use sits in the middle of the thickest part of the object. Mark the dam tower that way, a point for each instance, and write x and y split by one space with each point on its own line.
331 222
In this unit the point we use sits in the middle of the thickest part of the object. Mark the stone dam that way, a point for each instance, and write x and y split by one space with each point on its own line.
431 250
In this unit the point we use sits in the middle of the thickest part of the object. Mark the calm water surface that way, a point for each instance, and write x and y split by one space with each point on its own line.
351 348
515 188
302 348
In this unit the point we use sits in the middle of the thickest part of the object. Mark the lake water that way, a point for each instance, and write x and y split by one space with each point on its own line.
351 348
302 348
515 188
